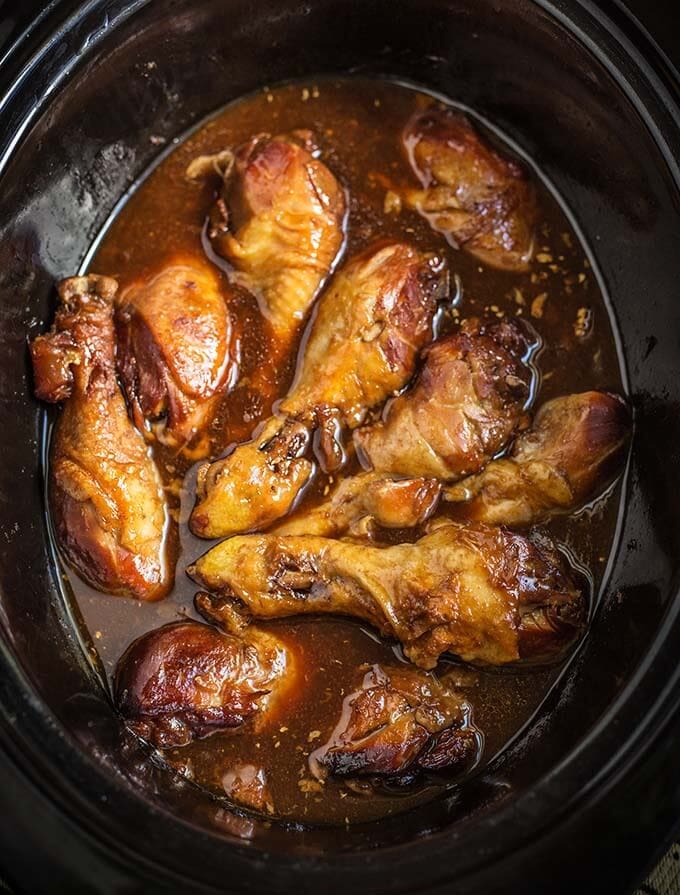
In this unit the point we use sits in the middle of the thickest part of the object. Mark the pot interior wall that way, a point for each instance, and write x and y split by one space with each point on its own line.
147 75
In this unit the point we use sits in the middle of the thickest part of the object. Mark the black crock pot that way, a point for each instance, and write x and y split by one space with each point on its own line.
589 793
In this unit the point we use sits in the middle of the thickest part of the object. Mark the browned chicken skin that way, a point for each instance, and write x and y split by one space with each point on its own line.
571 449
465 405
176 351
106 497
362 347
187 680
279 222
483 593
399 724
363 501
482 202
368 330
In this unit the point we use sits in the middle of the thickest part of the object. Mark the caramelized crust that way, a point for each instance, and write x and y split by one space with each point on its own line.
364 501
483 203
362 347
465 405
187 680
106 497
482 593
176 351
279 222
399 724
573 448
367 333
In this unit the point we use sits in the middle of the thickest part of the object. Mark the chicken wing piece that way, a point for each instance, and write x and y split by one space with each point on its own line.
187 680
363 501
399 724
465 405
362 347
483 203
572 449
176 349
106 498
280 222
483 593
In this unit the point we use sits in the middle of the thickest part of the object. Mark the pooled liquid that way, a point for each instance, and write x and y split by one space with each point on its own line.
357 124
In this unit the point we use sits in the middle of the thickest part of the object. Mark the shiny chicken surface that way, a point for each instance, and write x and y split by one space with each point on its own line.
362 347
177 352
279 221
482 202
106 498
465 405
570 451
483 593
375 493
399 724
361 502
187 680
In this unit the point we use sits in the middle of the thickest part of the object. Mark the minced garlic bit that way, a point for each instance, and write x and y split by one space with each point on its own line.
309 785
304 94
537 305
583 323
392 203
519 298
544 258
314 735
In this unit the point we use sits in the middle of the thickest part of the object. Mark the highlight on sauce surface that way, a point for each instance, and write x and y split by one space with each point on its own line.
334 474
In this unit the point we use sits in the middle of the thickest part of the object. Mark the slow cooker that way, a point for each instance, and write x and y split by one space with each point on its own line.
591 790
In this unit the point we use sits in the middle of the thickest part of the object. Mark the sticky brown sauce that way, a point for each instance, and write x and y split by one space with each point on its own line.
358 124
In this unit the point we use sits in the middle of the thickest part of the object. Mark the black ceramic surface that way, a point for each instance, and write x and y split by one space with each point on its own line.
595 782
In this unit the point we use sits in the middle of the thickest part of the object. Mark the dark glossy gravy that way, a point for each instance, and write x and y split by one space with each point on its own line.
358 123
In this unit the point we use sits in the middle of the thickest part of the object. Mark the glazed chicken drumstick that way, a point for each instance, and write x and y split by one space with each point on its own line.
483 203
571 452
399 724
176 351
483 593
187 680
464 407
106 497
279 221
361 502
555 466
362 347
